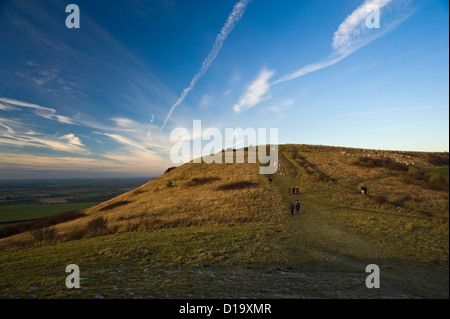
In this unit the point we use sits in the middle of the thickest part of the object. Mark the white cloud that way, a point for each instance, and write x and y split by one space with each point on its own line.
25 161
233 19
137 160
72 139
6 107
18 134
310 68
142 136
10 130
26 104
139 163
351 35
124 122
63 119
124 140
19 140
41 111
255 91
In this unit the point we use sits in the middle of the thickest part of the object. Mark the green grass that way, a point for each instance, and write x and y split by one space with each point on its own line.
151 264
444 171
10 213
320 253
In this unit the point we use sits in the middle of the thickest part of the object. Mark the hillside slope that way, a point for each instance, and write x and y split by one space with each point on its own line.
221 231
193 194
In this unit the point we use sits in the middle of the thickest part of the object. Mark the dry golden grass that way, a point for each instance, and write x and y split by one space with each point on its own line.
188 195
313 163
205 194
227 217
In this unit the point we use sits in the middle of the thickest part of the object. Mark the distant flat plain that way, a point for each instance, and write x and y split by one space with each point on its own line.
31 199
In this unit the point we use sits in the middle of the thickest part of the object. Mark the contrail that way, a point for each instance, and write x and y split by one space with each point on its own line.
351 35
233 19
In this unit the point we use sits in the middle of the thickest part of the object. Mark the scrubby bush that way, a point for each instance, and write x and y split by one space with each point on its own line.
114 205
96 226
438 159
438 182
47 234
371 162
380 200
427 180
169 169
40 223
236 185
75 234
197 181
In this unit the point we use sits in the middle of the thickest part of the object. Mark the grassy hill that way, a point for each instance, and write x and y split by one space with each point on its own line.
221 230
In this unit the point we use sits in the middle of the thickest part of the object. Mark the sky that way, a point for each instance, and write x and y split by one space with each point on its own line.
102 100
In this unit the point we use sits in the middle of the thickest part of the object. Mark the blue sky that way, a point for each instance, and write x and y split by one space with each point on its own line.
101 100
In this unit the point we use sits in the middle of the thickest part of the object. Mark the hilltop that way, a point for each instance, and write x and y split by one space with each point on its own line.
222 230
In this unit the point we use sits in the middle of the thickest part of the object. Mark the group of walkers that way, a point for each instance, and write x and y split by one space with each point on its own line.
294 191
297 207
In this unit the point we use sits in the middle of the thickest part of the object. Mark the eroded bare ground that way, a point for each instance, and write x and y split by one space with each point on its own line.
398 280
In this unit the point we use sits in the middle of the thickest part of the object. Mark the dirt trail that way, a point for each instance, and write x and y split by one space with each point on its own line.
325 260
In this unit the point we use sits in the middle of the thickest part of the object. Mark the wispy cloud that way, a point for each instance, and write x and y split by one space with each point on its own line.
68 143
6 107
72 139
136 160
17 134
233 19
255 91
351 35
311 68
8 129
125 123
42 111
125 141
131 163
55 163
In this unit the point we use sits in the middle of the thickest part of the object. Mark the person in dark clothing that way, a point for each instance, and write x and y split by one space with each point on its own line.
363 189
293 190
296 190
289 191
297 206
291 207
270 181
